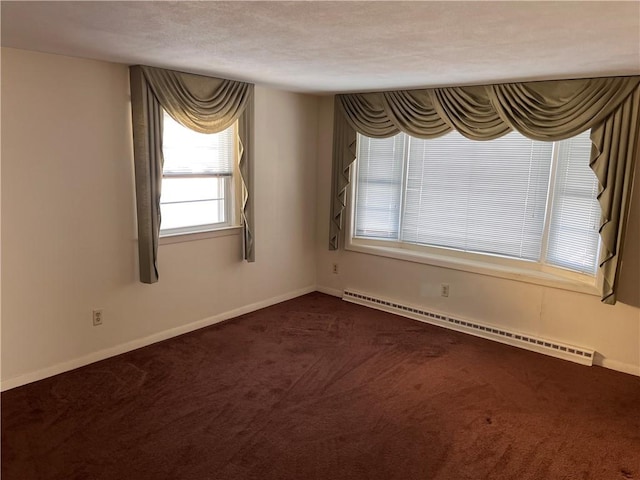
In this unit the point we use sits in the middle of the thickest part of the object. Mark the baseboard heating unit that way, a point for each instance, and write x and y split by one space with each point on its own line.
572 353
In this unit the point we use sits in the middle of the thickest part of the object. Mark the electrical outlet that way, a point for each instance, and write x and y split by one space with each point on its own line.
444 289
335 269
97 318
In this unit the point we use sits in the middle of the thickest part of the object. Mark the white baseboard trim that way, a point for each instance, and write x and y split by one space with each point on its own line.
145 341
330 291
618 366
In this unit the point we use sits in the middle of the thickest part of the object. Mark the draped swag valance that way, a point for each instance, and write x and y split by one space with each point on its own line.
203 104
547 111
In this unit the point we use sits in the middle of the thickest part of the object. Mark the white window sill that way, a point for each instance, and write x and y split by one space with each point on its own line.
167 239
497 267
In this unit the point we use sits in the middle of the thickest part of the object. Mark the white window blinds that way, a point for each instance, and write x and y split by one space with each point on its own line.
575 213
485 197
380 177
189 152
478 196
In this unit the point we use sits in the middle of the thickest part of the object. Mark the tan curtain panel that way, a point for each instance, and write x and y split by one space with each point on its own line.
203 104
147 153
344 152
616 147
546 111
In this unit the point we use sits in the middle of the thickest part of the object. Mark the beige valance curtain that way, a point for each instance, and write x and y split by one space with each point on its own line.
203 104
547 111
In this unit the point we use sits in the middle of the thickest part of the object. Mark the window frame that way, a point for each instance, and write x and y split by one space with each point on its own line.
232 187
494 265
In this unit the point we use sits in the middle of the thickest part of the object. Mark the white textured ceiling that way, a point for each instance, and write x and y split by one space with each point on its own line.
341 46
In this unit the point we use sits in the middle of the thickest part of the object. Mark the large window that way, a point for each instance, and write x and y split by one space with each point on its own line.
510 197
197 180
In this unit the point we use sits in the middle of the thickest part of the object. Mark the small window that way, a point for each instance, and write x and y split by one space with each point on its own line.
512 197
197 179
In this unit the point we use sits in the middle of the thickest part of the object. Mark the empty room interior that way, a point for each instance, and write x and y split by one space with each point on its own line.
320 240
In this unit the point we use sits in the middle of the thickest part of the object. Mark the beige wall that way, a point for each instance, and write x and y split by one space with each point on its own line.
68 235
68 225
613 331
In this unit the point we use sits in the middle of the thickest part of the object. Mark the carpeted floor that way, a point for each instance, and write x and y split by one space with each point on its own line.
316 388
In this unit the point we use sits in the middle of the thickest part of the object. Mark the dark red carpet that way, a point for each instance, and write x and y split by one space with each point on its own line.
316 388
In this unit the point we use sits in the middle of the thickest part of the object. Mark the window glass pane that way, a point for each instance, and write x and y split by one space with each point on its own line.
189 189
575 214
379 186
187 151
197 176
188 214
485 197
478 196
